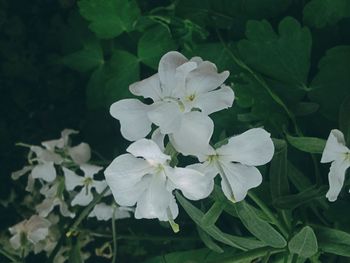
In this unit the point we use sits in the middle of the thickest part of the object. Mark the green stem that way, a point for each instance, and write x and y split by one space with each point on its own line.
74 225
250 255
114 237
8 255
269 214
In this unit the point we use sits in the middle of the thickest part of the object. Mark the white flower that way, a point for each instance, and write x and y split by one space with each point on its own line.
80 154
105 212
34 230
72 180
337 153
53 197
148 181
184 94
236 161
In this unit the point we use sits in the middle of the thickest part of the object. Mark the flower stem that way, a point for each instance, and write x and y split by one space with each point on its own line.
114 236
268 213
74 225
8 255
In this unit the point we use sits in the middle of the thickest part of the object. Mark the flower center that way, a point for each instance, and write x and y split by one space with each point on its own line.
191 97
212 158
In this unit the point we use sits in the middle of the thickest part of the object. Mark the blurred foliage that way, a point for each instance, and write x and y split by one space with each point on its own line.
63 62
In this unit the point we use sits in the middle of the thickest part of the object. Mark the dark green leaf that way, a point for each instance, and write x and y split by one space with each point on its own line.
154 43
233 241
287 53
208 241
307 144
259 228
304 243
90 57
319 13
331 84
278 170
109 18
333 241
293 201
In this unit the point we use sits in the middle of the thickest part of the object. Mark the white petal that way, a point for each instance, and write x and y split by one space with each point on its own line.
158 138
45 171
149 150
166 115
64 209
335 147
205 78
15 241
155 201
209 169
105 212
17 174
80 153
65 135
168 65
216 100
193 184
38 235
45 207
44 155
30 183
193 135
238 179
83 198
148 88
124 176
99 185
132 114
253 147
90 170
336 178
72 180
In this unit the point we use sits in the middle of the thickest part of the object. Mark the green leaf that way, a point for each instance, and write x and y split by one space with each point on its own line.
344 120
293 201
319 13
259 228
208 241
154 43
283 57
304 243
109 18
233 241
331 84
90 57
110 82
307 144
333 241
124 70
278 170
212 215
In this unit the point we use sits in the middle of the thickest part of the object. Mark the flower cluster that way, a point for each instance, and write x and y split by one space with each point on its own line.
59 175
183 93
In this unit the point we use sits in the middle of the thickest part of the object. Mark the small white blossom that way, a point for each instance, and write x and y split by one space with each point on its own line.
236 161
33 230
184 93
144 177
72 180
53 198
338 154
105 212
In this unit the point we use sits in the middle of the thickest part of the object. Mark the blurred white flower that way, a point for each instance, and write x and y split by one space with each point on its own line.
338 154
184 93
72 180
33 230
145 178
105 212
236 161
53 197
